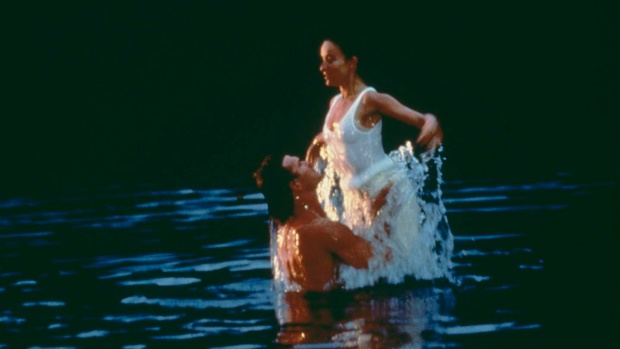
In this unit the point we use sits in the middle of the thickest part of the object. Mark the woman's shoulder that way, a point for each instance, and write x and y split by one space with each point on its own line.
370 96
334 99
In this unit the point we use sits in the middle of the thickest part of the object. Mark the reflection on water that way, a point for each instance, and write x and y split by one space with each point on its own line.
190 268
382 317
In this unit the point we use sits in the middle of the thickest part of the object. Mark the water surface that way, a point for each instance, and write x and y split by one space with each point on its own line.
148 267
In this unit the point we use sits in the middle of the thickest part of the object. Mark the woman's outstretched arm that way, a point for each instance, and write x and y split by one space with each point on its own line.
430 135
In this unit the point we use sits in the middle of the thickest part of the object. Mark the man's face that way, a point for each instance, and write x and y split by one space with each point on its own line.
304 173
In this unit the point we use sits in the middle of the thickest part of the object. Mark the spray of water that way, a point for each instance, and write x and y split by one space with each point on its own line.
410 235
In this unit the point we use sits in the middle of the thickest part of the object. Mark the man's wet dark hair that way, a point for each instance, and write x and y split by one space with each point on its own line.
274 182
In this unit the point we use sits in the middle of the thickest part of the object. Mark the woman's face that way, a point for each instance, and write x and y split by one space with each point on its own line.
335 67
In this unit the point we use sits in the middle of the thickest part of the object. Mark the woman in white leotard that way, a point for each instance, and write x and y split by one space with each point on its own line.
366 189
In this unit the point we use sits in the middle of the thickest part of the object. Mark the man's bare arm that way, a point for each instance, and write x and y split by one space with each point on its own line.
350 248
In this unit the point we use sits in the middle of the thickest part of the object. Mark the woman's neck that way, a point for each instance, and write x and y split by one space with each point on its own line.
353 87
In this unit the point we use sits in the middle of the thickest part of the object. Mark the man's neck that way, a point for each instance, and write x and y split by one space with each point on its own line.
307 207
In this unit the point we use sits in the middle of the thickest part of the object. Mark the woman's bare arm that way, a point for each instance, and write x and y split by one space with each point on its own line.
430 135
314 149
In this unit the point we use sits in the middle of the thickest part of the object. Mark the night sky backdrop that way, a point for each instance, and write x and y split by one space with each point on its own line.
194 93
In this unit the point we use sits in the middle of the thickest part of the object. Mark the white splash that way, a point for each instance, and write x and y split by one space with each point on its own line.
418 243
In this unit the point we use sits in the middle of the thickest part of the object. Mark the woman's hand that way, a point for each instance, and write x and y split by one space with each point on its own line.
431 134
379 200
314 150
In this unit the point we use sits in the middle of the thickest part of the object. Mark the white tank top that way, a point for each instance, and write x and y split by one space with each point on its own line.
356 152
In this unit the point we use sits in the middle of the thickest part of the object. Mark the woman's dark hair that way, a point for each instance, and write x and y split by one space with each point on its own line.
348 47
273 181
351 45
350 41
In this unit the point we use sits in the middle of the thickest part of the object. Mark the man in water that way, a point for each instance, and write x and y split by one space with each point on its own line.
309 245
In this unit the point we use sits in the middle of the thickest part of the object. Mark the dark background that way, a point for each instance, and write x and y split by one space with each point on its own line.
193 93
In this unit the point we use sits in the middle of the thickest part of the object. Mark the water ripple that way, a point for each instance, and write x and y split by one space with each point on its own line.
211 326
509 208
25 283
147 258
138 318
170 281
93 333
179 337
483 328
487 237
25 235
138 278
232 243
11 320
44 304
251 301
207 267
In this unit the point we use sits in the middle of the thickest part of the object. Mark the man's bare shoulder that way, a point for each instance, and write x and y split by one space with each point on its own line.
323 226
